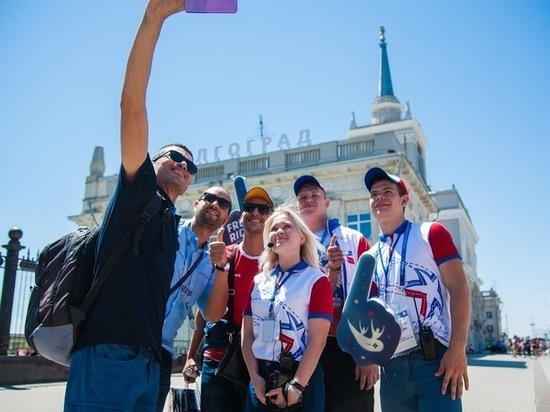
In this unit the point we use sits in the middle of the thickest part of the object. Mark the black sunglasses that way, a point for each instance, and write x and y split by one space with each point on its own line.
177 157
262 209
211 198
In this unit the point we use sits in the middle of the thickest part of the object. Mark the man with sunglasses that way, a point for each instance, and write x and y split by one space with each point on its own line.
217 393
348 387
196 260
115 364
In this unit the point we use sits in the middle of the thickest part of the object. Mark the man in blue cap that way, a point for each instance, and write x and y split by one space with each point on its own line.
419 274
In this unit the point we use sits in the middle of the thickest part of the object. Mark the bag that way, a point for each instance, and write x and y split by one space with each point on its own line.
63 277
65 288
184 400
232 366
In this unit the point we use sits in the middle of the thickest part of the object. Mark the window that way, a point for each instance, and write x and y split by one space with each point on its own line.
489 315
361 223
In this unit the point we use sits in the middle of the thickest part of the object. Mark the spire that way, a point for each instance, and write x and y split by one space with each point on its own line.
97 166
408 114
385 108
385 87
353 122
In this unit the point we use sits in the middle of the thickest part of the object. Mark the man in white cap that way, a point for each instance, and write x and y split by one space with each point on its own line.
419 274
348 386
217 393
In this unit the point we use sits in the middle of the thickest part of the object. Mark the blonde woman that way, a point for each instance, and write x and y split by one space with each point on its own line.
287 318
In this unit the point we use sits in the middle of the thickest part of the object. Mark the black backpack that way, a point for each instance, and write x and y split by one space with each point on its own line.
65 289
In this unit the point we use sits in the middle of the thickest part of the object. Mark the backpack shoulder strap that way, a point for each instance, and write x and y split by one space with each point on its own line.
150 210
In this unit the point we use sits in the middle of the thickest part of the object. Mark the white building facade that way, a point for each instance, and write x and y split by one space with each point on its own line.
393 141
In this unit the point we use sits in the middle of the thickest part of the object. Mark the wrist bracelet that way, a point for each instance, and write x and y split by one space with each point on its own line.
295 384
336 270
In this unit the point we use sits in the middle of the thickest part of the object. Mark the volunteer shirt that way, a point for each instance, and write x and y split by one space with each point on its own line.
407 274
295 296
246 267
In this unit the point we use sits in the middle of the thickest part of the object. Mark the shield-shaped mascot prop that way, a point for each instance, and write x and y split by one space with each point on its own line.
368 331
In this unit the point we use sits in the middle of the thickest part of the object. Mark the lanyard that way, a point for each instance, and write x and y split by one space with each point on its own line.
281 281
325 233
390 256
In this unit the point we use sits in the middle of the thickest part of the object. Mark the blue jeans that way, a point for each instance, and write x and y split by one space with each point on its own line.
314 399
219 394
408 383
165 378
112 378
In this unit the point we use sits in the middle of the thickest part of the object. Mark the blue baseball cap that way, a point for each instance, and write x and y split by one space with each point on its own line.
302 180
374 174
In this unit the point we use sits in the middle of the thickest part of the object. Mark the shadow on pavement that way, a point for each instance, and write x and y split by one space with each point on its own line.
14 387
484 361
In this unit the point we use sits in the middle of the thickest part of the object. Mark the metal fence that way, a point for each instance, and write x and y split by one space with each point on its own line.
17 280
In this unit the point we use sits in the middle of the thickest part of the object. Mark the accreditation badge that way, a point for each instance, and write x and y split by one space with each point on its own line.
407 342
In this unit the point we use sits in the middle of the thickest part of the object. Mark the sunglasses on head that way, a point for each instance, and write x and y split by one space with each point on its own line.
177 157
211 198
262 209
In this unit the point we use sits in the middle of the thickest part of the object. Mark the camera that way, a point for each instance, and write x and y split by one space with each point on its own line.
192 373
427 343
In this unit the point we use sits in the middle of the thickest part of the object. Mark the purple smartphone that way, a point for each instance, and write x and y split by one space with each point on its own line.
210 6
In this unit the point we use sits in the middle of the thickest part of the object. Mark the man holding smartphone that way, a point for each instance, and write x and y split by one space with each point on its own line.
419 274
115 364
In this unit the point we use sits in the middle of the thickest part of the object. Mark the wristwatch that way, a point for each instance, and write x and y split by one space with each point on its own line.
224 268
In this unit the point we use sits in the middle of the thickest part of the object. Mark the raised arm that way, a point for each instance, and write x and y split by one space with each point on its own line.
134 129
217 300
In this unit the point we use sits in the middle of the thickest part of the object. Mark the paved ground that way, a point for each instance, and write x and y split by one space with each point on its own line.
497 383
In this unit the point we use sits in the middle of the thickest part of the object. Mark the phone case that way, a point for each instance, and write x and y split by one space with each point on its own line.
210 6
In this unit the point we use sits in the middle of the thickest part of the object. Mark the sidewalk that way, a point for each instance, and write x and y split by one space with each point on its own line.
497 383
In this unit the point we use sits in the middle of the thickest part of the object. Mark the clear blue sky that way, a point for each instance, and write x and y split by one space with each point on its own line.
476 75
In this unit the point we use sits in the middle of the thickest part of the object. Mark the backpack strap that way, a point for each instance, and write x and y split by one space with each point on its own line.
148 212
